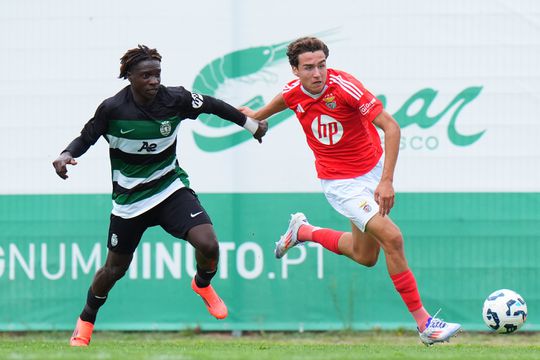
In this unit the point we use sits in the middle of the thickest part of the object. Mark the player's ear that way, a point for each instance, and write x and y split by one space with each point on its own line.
128 76
295 70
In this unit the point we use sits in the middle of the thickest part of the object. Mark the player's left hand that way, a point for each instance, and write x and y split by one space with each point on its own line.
384 196
261 131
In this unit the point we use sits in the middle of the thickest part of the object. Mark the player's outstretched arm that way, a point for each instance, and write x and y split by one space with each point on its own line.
227 112
60 164
277 104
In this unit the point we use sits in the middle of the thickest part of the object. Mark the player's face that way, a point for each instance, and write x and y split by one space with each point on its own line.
311 71
145 78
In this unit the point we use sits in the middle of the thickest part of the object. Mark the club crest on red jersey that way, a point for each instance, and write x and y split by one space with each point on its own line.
330 101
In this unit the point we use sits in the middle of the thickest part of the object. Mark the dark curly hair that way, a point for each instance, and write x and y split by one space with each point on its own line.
134 56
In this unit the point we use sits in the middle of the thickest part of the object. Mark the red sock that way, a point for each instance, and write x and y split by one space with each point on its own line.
328 238
405 284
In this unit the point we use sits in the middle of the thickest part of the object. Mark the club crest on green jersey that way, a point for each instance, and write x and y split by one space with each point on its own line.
165 128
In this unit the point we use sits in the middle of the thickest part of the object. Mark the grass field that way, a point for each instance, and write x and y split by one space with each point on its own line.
263 346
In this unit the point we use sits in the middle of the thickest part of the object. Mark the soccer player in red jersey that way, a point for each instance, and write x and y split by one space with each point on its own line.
339 118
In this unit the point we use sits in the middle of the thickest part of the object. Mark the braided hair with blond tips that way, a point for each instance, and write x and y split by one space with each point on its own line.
135 56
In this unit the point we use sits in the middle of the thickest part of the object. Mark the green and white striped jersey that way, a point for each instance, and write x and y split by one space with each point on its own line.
142 143
144 167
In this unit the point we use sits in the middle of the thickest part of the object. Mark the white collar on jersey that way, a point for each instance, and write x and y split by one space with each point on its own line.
315 96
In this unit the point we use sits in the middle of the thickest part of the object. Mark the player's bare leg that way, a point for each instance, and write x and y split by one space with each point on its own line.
388 235
203 239
114 269
359 246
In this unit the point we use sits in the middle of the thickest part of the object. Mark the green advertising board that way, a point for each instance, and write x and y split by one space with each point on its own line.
461 247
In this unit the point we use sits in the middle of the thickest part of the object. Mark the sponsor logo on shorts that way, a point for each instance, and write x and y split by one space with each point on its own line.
114 240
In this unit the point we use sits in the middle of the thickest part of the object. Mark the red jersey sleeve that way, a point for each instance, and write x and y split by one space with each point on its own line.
357 96
288 92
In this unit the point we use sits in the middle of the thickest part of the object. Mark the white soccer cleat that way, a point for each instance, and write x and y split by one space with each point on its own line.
290 238
438 330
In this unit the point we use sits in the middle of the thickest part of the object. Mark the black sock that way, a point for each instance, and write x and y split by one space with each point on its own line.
203 277
92 306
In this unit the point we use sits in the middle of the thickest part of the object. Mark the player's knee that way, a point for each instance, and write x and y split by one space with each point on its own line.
204 240
394 243
368 260
115 273
209 248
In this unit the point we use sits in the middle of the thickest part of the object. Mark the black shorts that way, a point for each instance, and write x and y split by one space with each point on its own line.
177 215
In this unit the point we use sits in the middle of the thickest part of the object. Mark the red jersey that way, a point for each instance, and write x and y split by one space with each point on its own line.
338 125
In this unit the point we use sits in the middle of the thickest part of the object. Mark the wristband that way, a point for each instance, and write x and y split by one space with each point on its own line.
251 125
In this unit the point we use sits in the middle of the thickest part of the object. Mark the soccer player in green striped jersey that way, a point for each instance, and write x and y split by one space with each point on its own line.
141 123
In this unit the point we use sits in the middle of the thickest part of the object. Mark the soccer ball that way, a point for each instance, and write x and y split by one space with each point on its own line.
504 311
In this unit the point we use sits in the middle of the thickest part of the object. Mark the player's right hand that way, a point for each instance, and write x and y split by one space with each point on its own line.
60 164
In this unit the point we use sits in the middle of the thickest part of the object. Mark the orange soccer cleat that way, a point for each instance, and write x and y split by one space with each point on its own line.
216 307
82 333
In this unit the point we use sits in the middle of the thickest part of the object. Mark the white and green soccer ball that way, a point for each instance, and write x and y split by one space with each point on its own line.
504 311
